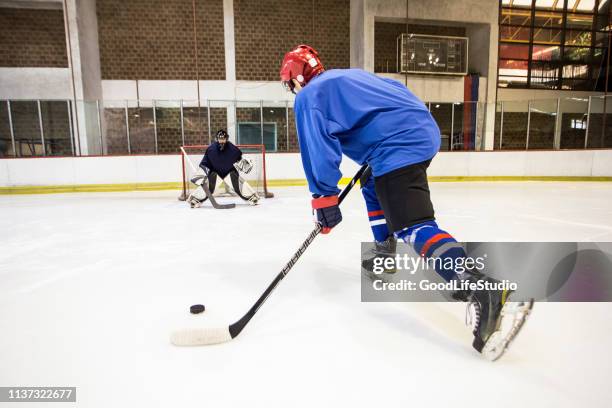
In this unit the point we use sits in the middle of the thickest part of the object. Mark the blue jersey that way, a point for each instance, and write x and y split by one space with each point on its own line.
370 119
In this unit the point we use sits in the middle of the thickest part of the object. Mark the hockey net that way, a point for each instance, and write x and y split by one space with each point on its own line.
192 155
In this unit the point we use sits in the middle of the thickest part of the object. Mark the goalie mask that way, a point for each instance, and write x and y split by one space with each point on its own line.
222 137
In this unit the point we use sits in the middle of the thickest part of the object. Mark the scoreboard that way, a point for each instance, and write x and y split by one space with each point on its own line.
431 54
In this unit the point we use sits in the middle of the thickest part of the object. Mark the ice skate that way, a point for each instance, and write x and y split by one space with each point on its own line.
381 250
254 199
496 319
194 202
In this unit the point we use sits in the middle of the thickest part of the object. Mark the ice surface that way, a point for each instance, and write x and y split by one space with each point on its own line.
91 285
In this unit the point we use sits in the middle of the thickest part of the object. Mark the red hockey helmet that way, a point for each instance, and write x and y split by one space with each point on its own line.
302 64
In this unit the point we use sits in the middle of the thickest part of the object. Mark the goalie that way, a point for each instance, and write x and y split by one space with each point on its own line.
224 159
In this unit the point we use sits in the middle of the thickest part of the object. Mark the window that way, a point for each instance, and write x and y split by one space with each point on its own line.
578 124
250 133
553 44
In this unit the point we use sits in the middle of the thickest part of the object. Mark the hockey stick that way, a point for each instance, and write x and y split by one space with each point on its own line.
206 336
212 199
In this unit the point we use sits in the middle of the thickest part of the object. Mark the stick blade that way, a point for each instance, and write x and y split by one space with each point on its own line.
200 337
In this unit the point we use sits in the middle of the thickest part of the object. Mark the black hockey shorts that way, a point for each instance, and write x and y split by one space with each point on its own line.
404 196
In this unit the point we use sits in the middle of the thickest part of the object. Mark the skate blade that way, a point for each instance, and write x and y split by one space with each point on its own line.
514 316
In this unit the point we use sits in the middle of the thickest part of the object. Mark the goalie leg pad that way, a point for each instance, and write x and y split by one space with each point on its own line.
242 187
203 178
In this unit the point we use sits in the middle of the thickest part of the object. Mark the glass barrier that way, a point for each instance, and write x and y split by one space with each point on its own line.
169 126
6 138
195 123
443 115
115 136
573 122
541 121
600 123
29 139
275 122
250 127
124 127
514 125
467 126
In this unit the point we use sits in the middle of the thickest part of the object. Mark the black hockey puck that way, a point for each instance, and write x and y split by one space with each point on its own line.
195 309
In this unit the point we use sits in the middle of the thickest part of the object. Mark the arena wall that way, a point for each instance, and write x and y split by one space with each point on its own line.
150 172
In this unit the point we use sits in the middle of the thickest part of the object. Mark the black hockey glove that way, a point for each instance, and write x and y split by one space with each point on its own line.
326 212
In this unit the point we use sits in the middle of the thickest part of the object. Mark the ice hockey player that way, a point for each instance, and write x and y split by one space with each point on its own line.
224 159
378 121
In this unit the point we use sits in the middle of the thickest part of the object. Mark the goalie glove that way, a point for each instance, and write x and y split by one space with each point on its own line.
326 212
244 165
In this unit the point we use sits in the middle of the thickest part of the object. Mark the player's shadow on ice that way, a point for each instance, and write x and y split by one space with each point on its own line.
429 323
426 321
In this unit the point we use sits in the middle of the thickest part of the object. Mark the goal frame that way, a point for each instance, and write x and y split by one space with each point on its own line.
203 147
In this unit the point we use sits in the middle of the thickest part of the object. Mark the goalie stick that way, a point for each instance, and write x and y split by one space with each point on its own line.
206 336
212 199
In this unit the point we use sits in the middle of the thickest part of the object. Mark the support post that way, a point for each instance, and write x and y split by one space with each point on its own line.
10 118
100 127
127 127
155 126
528 124
287 121
209 126
70 129
42 132
586 133
236 127
557 137
452 132
501 126
476 106
261 120
182 125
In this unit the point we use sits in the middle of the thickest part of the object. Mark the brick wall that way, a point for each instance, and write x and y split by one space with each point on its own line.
154 39
265 30
385 41
32 38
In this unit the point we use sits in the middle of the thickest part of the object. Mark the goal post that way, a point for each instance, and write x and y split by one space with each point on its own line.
191 155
